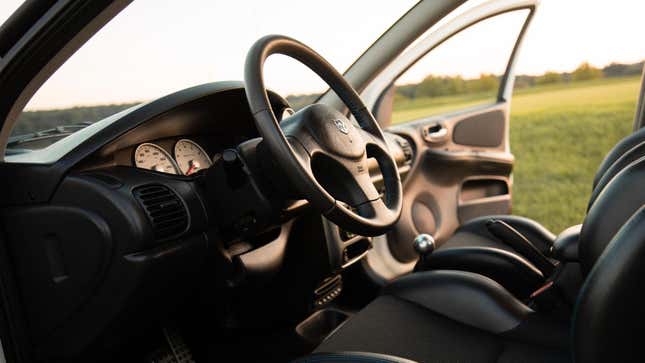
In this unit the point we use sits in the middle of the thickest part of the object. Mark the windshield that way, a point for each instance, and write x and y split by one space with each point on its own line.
156 47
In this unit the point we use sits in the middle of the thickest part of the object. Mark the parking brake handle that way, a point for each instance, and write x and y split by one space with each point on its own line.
518 242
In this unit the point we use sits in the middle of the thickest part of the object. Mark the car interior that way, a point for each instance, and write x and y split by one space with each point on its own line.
219 223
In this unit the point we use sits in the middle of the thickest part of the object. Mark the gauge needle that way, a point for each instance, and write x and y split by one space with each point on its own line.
193 166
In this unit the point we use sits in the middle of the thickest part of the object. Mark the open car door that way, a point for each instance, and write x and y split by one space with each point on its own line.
457 124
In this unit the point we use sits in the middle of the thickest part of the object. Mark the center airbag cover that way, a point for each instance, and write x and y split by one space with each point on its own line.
334 132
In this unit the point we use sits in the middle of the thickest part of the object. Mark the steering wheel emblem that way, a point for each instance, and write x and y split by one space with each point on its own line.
340 125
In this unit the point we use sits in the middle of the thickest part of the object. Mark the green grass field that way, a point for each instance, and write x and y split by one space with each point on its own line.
559 135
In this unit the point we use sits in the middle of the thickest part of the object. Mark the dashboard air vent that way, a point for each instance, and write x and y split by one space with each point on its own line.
166 212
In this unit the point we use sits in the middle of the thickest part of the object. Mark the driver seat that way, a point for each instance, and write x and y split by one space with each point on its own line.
458 316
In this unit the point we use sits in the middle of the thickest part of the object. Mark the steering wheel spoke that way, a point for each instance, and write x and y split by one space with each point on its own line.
382 212
366 186
372 141
301 153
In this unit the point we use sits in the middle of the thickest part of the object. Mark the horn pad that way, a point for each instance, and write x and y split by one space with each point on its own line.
333 131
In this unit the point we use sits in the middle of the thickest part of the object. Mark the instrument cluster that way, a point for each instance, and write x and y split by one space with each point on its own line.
188 158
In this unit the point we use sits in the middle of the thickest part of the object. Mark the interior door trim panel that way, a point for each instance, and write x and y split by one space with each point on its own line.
432 201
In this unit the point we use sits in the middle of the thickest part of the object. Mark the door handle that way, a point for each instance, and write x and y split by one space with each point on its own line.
435 133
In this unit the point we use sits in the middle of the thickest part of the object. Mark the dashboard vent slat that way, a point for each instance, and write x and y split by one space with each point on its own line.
165 211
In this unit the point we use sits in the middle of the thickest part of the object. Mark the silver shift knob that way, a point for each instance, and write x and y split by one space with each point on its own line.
424 244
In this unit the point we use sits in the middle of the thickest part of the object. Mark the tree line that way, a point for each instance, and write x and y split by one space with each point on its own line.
32 121
437 86
585 71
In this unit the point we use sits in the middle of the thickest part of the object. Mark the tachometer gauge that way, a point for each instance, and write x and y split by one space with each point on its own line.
190 157
153 157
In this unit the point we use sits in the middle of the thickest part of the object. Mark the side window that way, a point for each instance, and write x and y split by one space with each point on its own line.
462 72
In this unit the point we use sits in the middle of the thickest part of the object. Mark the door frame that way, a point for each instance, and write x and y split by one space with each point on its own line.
373 93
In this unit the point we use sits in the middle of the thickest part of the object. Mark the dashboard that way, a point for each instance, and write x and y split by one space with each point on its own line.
211 138
152 200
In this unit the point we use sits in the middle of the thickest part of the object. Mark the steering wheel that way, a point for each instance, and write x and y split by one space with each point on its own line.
323 155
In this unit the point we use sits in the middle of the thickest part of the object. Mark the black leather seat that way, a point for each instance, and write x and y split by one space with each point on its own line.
457 316
451 316
473 248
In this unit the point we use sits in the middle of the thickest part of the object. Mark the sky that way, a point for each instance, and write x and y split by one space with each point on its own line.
155 47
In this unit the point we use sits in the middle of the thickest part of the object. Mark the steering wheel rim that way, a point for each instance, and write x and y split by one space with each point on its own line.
319 132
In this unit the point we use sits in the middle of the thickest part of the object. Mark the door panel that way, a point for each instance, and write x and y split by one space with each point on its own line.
456 178
462 161
462 164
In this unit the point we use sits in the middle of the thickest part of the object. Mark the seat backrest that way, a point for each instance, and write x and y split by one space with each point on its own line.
609 316
615 204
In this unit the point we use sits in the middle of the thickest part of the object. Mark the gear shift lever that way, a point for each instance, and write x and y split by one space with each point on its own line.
424 246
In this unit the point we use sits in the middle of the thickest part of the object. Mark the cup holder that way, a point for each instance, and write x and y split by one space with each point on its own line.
320 324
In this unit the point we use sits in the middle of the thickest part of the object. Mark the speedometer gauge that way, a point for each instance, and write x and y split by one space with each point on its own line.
190 157
153 157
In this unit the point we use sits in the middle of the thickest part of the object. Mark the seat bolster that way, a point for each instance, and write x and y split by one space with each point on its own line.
565 246
465 297
343 357
536 233
512 271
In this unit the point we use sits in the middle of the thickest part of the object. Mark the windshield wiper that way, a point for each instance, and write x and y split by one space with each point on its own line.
53 133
